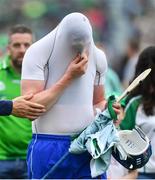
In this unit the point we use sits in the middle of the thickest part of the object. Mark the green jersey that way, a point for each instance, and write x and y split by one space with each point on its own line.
112 84
15 133
129 120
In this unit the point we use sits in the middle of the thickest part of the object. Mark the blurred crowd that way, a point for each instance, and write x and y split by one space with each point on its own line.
114 22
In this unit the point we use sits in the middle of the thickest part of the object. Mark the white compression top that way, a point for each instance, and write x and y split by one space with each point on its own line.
47 60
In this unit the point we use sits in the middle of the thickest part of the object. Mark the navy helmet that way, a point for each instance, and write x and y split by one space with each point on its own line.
137 147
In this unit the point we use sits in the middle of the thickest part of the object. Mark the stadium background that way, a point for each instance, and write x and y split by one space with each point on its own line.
114 21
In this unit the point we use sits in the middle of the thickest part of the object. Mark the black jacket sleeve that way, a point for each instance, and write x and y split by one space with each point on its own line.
5 107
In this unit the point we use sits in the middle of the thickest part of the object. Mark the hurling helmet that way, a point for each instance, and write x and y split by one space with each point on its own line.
137 147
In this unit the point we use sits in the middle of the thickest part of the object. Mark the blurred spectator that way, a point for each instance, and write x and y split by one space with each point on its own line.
140 109
15 132
1 53
128 66
98 20
112 82
3 44
114 21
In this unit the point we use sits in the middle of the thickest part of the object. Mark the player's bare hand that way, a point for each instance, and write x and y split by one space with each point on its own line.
78 66
120 113
23 107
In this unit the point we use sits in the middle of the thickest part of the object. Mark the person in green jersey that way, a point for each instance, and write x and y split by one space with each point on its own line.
15 132
140 109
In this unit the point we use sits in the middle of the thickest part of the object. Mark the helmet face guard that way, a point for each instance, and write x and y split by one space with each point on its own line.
137 147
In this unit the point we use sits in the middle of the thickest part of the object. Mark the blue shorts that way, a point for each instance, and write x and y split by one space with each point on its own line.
45 151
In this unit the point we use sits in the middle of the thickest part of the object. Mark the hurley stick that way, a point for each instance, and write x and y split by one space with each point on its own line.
134 84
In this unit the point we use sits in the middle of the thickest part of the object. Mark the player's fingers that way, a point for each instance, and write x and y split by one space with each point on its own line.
117 122
34 114
77 59
83 62
117 111
84 56
35 105
116 105
28 96
35 110
32 118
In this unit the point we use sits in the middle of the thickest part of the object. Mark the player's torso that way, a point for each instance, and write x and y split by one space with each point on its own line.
74 109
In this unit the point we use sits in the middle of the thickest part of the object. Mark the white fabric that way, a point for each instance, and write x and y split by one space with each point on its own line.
147 124
73 111
132 142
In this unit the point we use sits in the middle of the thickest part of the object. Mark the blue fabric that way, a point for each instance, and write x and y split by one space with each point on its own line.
146 176
46 150
5 107
13 169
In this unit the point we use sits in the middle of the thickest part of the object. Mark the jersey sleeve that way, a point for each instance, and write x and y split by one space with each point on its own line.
5 107
101 67
37 57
